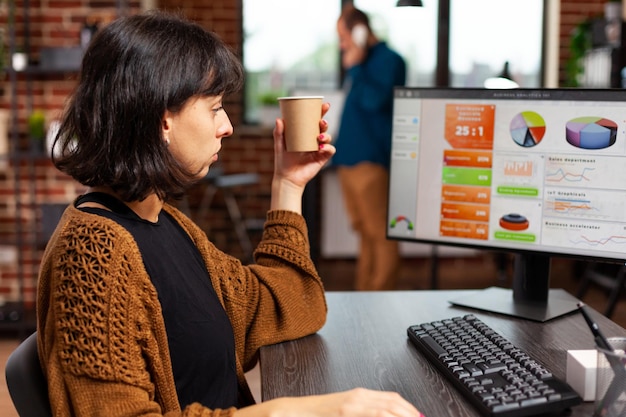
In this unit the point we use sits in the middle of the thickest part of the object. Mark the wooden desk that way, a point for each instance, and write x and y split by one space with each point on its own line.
364 344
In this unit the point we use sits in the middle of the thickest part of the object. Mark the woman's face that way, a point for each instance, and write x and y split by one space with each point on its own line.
195 133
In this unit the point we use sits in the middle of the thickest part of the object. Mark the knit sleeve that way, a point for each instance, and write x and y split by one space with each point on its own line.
289 300
103 337
92 307
280 297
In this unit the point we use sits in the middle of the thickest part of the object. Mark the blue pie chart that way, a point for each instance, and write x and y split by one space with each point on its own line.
591 132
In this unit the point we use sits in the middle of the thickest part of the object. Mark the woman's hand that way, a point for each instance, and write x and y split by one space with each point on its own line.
358 402
293 170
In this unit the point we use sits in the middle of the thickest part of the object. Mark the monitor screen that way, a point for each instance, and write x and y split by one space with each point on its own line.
539 172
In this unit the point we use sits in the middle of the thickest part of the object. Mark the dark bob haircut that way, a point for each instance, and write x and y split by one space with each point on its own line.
134 70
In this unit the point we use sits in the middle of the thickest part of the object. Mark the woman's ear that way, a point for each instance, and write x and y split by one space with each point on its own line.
166 123
166 126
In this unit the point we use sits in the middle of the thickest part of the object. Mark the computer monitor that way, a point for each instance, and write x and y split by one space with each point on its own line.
534 172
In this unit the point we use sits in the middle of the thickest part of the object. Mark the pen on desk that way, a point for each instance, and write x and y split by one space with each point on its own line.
615 388
601 341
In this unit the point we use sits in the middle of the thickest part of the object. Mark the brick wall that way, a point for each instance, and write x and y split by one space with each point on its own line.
574 12
28 183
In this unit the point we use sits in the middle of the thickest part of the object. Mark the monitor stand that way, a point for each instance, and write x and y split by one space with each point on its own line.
531 297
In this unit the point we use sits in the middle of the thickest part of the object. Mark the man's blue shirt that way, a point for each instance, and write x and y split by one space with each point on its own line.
365 129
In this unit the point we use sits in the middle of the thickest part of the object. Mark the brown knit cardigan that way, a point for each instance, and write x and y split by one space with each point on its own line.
102 341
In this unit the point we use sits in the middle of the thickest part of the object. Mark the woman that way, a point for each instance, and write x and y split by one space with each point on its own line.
138 313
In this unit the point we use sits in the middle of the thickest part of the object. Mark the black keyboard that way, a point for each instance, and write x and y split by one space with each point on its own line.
500 379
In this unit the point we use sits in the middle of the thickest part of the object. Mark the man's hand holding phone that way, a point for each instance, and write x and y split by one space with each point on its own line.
356 53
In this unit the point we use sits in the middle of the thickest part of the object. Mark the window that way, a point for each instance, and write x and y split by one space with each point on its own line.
411 31
480 44
288 45
297 49
292 45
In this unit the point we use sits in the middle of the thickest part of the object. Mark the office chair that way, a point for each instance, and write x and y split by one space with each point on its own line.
611 278
216 181
26 382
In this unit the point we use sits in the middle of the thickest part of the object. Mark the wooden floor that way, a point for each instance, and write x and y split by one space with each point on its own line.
415 274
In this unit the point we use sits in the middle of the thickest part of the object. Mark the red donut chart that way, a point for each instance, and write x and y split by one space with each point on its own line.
514 221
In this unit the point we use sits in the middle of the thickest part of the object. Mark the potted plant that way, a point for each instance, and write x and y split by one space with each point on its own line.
268 107
37 130
580 43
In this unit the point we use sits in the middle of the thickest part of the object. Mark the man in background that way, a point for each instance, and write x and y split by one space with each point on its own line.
363 145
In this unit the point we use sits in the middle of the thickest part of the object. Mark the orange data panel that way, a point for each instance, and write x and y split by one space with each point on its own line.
480 195
473 159
475 212
464 229
470 126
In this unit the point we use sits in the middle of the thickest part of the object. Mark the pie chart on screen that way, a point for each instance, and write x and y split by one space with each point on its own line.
527 128
591 132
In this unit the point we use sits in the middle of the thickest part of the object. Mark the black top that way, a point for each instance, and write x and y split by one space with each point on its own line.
200 336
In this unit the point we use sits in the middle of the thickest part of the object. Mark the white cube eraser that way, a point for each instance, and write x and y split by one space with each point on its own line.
581 372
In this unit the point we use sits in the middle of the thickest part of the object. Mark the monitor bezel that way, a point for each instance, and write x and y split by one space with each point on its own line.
531 296
584 94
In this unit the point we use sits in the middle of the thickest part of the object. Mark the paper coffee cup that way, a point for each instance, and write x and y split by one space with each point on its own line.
301 115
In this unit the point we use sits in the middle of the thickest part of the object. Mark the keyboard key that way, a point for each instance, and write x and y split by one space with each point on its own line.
489 368
433 346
